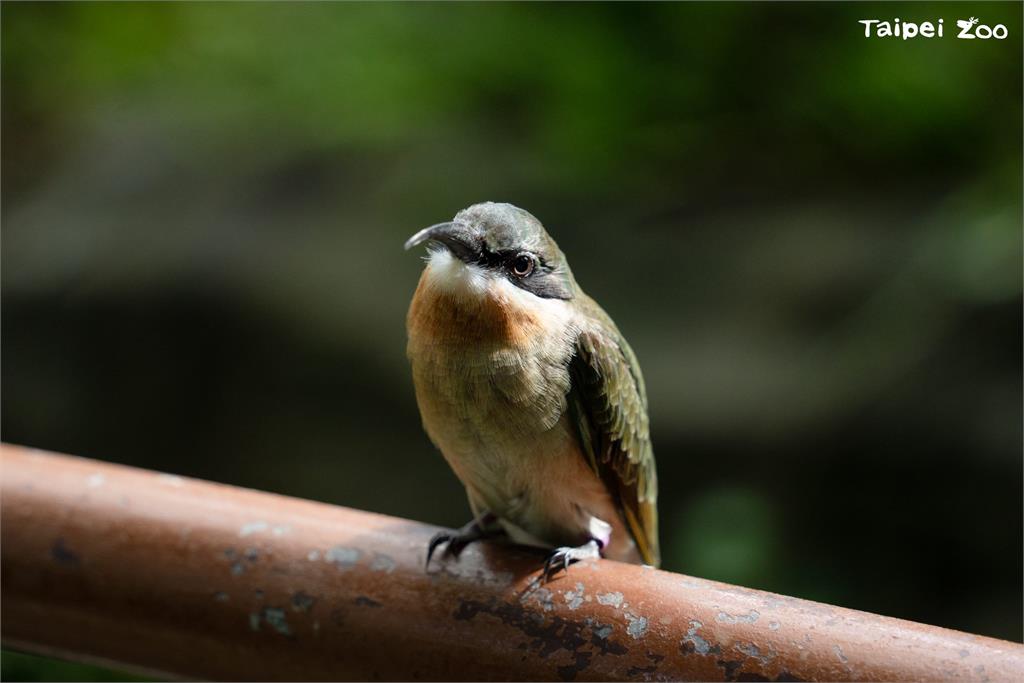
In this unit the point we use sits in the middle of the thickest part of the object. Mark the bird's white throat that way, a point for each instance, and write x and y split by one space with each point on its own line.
450 274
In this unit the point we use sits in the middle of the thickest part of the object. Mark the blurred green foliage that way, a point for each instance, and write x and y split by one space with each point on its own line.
17 666
811 239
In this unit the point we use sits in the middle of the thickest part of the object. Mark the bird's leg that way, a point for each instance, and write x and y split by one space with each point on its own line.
562 557
478 529
600 533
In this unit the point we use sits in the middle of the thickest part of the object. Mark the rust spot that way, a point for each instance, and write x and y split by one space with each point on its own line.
548 636
364 601
646 671
570 671
302 602
63 555
731 668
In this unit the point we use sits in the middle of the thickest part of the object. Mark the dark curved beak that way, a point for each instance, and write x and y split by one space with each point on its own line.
459 238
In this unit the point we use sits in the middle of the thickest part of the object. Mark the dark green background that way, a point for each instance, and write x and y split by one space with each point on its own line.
811 239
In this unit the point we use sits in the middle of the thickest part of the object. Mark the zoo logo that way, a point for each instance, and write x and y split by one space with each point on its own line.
970 29
982 32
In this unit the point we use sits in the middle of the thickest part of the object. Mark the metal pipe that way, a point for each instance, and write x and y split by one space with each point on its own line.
181 578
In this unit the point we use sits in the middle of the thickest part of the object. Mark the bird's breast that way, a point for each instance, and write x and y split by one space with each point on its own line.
490 369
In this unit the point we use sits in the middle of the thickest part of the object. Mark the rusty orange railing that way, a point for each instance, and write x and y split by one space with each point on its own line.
181 578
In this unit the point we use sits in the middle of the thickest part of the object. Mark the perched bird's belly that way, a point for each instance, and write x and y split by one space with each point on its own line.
492 395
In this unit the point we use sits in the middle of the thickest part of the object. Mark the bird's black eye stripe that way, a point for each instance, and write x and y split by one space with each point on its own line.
521 264
491 259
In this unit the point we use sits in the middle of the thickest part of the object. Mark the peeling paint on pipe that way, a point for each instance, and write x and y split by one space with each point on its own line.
186 579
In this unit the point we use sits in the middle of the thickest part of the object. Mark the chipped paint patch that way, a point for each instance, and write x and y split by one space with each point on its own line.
277 620
601 639
254 621
492 578
751 650
383 563
699 645
574 598
237 569
170 480
281 529
543 597
748 618
252 528
839 653
95 480
637 625
613 599
345 558
313 556
773 625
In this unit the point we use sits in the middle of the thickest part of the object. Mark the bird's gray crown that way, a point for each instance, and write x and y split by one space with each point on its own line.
507 241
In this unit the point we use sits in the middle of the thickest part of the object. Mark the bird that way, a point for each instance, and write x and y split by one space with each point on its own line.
531 393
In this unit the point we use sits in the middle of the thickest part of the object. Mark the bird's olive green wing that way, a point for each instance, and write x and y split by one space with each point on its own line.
609 405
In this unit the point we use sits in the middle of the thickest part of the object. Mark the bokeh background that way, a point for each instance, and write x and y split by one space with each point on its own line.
811 239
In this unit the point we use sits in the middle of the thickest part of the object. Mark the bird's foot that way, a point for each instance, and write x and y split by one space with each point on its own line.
476 530
561 558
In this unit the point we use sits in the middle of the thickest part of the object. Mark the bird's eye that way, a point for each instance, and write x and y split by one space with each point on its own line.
522 265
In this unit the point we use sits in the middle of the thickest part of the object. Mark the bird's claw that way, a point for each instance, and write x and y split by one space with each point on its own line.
458 540
456 543
436 540
566 555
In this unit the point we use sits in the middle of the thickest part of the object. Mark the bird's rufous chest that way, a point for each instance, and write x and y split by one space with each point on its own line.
491 375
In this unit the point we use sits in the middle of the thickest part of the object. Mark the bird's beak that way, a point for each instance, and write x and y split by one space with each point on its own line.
459 238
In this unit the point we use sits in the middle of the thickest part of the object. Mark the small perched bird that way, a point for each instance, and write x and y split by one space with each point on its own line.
531 394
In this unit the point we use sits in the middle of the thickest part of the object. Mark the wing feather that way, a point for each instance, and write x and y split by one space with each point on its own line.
609 404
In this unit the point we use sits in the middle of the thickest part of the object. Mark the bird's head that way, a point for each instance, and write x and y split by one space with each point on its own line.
488 245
